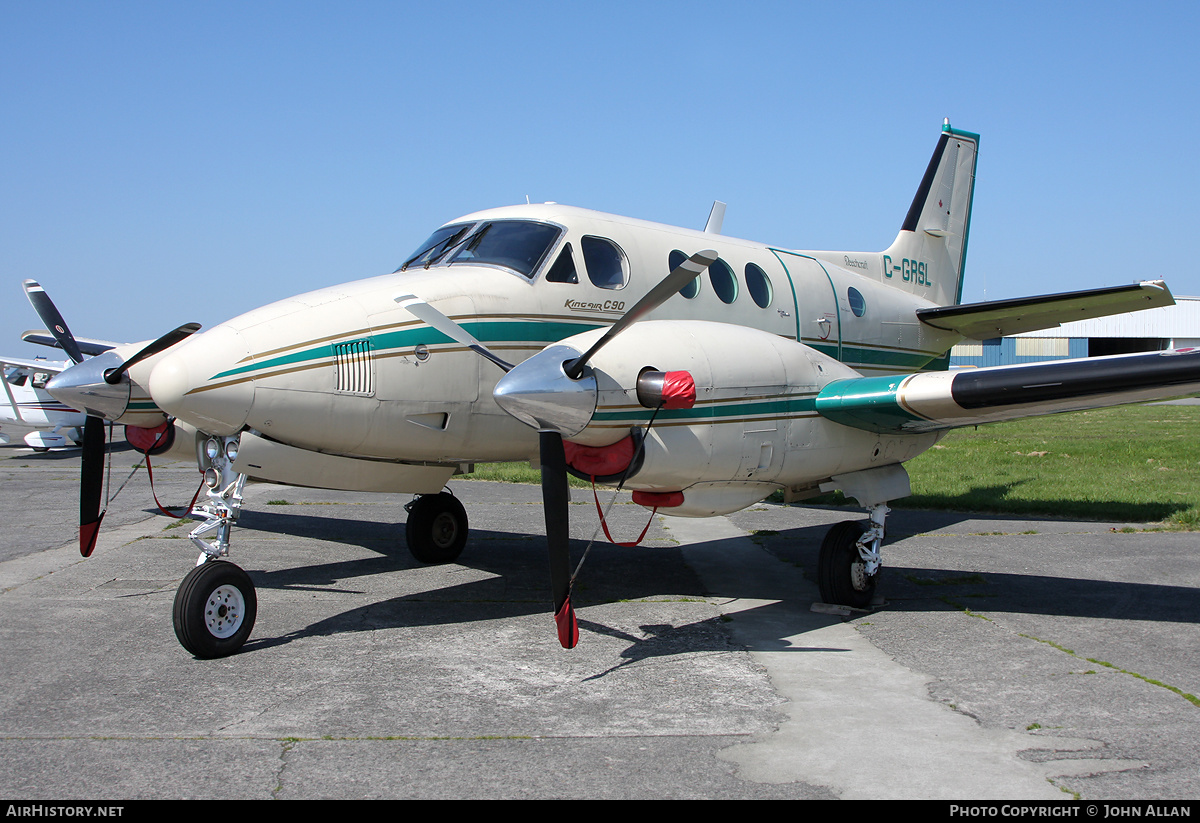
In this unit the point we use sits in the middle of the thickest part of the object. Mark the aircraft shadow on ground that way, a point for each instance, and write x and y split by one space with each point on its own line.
923 589
517 585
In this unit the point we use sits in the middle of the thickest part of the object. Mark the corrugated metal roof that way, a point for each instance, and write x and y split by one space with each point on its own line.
1181 320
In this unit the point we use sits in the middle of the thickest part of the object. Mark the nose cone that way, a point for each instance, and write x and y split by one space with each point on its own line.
199 382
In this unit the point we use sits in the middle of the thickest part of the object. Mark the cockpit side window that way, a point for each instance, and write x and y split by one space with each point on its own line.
438 244
519 245
605 262
563 270
16 377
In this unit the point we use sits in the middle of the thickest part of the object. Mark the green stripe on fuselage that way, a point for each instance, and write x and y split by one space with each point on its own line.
488 332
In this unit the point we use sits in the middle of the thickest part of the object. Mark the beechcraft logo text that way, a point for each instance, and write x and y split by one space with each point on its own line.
608 306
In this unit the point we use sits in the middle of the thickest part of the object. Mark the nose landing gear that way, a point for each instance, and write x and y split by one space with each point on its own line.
215 605
215 608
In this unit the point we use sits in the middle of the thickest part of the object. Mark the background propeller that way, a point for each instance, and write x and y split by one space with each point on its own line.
44 306
552 456
82 386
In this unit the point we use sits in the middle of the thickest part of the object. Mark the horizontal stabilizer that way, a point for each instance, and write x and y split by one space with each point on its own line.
86 345
999 318
945 400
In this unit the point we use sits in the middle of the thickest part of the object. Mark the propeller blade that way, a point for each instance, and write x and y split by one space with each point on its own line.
555 506
680 276
91 484
440 322
46 310
113 376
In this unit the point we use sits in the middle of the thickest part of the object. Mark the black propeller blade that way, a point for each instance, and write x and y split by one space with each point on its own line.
46 310
555 502
113 376
91 484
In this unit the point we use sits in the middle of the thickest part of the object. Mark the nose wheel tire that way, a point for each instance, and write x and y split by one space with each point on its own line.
215 607
841 572
436 531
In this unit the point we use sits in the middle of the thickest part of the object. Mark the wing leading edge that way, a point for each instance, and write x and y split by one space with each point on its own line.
945 400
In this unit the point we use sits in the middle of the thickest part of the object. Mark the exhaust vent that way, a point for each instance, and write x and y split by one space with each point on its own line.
355 373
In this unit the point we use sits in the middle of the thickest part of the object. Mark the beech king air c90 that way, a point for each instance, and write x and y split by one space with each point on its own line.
522 333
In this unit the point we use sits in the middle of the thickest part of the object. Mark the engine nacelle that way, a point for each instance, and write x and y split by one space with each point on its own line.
752 429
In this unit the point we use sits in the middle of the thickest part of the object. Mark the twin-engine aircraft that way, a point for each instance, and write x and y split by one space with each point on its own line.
700 371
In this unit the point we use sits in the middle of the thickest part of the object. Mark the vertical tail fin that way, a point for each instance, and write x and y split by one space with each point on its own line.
930 252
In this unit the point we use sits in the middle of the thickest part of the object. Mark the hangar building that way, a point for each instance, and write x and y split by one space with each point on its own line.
1168 327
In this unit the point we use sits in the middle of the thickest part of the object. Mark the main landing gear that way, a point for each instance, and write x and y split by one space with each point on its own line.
436 530
848 568
849 564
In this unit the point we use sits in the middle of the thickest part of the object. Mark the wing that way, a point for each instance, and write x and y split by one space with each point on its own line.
47 366
1000 318
86 345
946 400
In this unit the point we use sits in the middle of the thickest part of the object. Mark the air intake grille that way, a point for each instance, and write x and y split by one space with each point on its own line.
355 367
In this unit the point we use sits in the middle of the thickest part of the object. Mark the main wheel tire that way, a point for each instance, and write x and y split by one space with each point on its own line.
436 531
214 611
841 572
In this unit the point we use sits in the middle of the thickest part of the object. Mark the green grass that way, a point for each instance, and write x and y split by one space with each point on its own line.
515 473
1136 464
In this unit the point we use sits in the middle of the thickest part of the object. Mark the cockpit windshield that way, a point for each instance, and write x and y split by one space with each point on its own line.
437 245
520 245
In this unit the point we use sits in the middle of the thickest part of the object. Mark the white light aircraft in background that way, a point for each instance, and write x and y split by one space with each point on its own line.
701 371
26 401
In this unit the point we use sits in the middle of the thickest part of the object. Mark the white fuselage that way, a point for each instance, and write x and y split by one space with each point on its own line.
26 402
346 371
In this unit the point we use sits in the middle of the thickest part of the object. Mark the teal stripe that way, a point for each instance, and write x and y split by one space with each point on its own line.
503 331
732 408
912 361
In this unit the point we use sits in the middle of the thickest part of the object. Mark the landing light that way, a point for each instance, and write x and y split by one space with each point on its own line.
212 449
231 450
211 478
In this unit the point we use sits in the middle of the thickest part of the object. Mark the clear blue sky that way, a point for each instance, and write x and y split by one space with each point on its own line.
166 162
